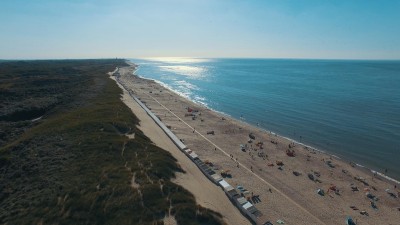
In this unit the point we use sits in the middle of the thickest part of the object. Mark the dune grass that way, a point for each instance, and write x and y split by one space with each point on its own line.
75 165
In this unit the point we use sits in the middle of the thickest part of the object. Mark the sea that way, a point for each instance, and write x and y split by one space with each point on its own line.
347 108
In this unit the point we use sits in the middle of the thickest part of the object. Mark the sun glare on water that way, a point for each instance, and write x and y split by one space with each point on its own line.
177 59
189 71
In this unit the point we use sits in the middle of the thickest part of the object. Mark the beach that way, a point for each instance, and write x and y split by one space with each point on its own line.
282 176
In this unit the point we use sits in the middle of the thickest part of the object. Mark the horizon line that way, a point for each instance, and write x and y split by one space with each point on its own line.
199 57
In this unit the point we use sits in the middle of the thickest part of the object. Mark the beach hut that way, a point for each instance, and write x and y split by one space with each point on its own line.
193 155
241 200
188 151
217 178
223 183
247 205
227 187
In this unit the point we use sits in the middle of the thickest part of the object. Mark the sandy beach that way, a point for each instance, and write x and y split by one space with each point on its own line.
282 177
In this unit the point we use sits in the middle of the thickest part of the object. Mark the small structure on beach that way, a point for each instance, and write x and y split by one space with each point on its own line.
251 135
226 173
290 153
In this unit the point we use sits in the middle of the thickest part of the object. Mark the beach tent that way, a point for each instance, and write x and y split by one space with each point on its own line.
349 221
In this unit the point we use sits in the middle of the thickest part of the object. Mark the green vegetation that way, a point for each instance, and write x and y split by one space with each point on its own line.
75 165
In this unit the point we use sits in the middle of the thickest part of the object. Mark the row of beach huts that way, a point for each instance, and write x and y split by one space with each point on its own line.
237 198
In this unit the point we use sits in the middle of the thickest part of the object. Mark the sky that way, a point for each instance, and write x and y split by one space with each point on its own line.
318 29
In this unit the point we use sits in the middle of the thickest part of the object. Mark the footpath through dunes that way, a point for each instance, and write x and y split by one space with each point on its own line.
84 161
283 185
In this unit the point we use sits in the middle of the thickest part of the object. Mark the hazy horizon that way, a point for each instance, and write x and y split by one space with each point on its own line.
184 57
44 29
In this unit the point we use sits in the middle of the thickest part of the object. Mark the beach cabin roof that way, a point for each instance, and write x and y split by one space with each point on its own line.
193 155
229 188
242 200
247 205
216 177
225 185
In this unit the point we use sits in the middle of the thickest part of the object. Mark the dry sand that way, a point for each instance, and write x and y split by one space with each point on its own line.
282 195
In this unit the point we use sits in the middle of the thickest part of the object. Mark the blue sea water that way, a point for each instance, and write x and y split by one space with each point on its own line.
349 108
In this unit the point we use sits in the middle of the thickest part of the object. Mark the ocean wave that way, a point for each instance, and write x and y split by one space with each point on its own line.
200 100
180 93
186 85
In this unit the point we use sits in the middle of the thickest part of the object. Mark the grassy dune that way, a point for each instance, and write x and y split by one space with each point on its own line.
75 164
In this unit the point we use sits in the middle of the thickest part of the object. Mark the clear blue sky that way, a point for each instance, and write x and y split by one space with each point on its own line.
203 28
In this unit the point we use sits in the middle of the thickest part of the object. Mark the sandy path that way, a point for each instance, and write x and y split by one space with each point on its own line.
206 193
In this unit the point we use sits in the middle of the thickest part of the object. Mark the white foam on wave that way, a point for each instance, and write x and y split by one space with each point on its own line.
200 100
386 177
186 85
180 93
196 99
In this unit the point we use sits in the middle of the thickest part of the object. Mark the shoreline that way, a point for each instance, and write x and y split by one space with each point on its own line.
342 158
285 192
